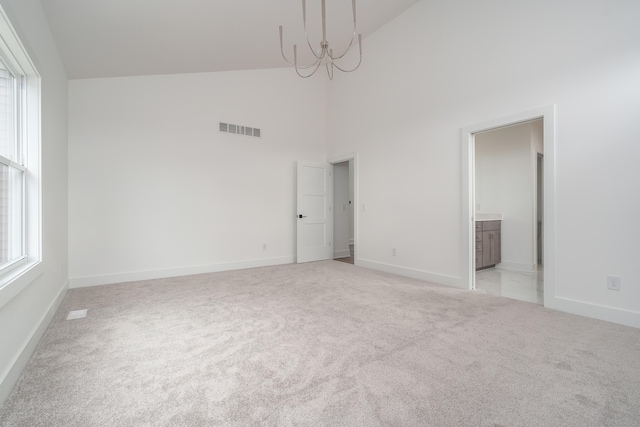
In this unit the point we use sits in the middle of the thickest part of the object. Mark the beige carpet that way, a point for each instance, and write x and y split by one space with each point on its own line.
322 344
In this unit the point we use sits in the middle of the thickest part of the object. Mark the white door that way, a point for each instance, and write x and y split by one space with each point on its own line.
315 216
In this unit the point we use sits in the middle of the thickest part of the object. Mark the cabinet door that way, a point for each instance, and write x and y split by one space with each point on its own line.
490 248
486 248
495 247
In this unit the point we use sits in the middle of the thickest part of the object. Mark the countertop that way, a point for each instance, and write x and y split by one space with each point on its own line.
488 216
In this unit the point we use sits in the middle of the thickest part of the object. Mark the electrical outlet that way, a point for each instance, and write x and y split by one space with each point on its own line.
614 283
393 251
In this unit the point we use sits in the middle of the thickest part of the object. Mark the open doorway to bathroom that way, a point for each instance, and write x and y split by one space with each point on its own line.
508 172
343 212
467 138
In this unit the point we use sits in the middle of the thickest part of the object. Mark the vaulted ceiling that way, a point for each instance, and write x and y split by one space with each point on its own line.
111 38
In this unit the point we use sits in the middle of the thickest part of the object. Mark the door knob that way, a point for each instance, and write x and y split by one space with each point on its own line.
302 216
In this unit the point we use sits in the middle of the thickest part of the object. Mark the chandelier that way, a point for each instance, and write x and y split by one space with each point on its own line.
324 54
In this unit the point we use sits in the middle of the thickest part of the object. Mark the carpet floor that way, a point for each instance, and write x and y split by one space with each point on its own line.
322 344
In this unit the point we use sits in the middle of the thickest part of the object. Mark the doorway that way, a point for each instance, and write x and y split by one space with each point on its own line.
468 139
506 206
317 209
343 212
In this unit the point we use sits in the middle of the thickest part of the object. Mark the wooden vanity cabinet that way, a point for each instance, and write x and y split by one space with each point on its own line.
487 244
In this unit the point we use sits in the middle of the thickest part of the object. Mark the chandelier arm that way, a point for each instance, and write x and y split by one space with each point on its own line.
329 66
304 21
301 67
323 52
317 65
282 47
353 35
306 33
359 61
285 57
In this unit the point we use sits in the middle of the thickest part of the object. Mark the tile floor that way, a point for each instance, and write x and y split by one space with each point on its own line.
521 286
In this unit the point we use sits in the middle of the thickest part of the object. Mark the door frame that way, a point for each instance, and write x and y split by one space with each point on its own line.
356 211
539 221
548 114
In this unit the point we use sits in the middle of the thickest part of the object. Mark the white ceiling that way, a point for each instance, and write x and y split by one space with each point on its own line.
110 38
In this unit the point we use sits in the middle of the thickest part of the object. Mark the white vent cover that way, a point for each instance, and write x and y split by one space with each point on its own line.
77 314
239 129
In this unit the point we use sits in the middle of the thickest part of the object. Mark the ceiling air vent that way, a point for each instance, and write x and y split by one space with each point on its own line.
239 129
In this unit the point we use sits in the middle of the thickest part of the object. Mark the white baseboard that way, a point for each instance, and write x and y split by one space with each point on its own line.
12 374
515 266
341 254
567 305
594 311
439 279
83 282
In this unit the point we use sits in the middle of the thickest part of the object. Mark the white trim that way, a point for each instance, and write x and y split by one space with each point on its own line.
10 377
596 311
13 43
517 267
18 279
11 163
83 282
10 266
438 279
548 114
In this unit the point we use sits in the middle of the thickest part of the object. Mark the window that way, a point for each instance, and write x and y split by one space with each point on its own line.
20 236
12 170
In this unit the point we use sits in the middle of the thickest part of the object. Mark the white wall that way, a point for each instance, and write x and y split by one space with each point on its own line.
442 66
25 317
156 190
505 184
